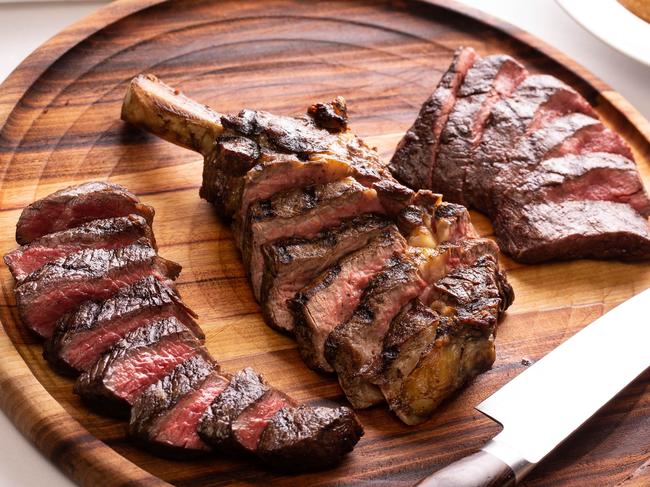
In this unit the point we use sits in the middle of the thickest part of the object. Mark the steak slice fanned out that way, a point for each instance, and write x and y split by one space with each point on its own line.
165 416
251 423
140 359
306 438
108 233
429 353
82 336
415 156
62 285
578 229
353 347
73 206
487 81
332 297
304 213
290 264
245 388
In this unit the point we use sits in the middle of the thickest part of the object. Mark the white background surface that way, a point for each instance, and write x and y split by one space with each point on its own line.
25 26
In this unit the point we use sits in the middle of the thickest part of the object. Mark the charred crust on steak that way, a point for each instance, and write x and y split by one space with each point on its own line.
306 438
332 116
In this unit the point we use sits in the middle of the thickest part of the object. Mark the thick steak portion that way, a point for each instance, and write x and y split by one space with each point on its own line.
251 423
82 336
62 285
165 416
215 426
305 213
353 346
140 359
577 229
306 438
332 297
109 233
415 156
290 264
487 81
73 206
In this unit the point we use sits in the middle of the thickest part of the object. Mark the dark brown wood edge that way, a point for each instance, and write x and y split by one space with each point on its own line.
38 416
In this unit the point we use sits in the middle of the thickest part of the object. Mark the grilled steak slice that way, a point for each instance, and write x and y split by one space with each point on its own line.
166 415
415 156
82 336
140 359
290 264
306 438
245 388
353 346
251 423
487 81
110 233
76 205
574 230
62 285
429 353
334 295
304 212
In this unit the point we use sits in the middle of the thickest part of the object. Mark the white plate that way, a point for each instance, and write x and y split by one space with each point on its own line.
612 23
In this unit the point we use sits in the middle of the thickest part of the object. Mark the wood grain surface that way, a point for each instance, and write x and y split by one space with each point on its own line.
59 125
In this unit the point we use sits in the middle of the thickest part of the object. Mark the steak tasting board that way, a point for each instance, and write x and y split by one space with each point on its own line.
59 125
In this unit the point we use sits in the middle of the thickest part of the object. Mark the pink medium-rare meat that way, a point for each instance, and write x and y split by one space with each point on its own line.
82 336
109 233
73 206
62 285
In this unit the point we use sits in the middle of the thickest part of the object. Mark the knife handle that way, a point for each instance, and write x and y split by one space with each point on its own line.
495 465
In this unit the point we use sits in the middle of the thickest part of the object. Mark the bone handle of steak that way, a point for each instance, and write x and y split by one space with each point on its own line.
160 109
495 465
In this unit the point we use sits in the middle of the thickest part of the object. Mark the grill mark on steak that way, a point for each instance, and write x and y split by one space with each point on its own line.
304 213
166 415
488 80
140 359
245 388
62 285
251 423
82 336
110 233
73 206
289 265
415 156
331 298
578 229
306 438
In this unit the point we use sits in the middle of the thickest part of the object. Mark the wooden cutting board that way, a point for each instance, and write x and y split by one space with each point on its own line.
59 125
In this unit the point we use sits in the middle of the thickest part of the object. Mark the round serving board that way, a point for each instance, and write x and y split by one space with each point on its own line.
59 125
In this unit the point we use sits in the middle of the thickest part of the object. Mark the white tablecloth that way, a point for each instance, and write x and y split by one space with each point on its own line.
26 25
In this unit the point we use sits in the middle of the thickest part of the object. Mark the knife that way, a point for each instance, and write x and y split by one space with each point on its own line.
547 402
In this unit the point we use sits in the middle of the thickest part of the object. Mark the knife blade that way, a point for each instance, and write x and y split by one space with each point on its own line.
551 399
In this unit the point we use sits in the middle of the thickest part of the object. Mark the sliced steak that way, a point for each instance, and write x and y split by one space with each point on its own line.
572 230
82 336
140 359
110 233
333 296
415 156
352 348
62 285
306 438
73 206
594 176
290 264
305 213
487 81
215 426
165 416
251 423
